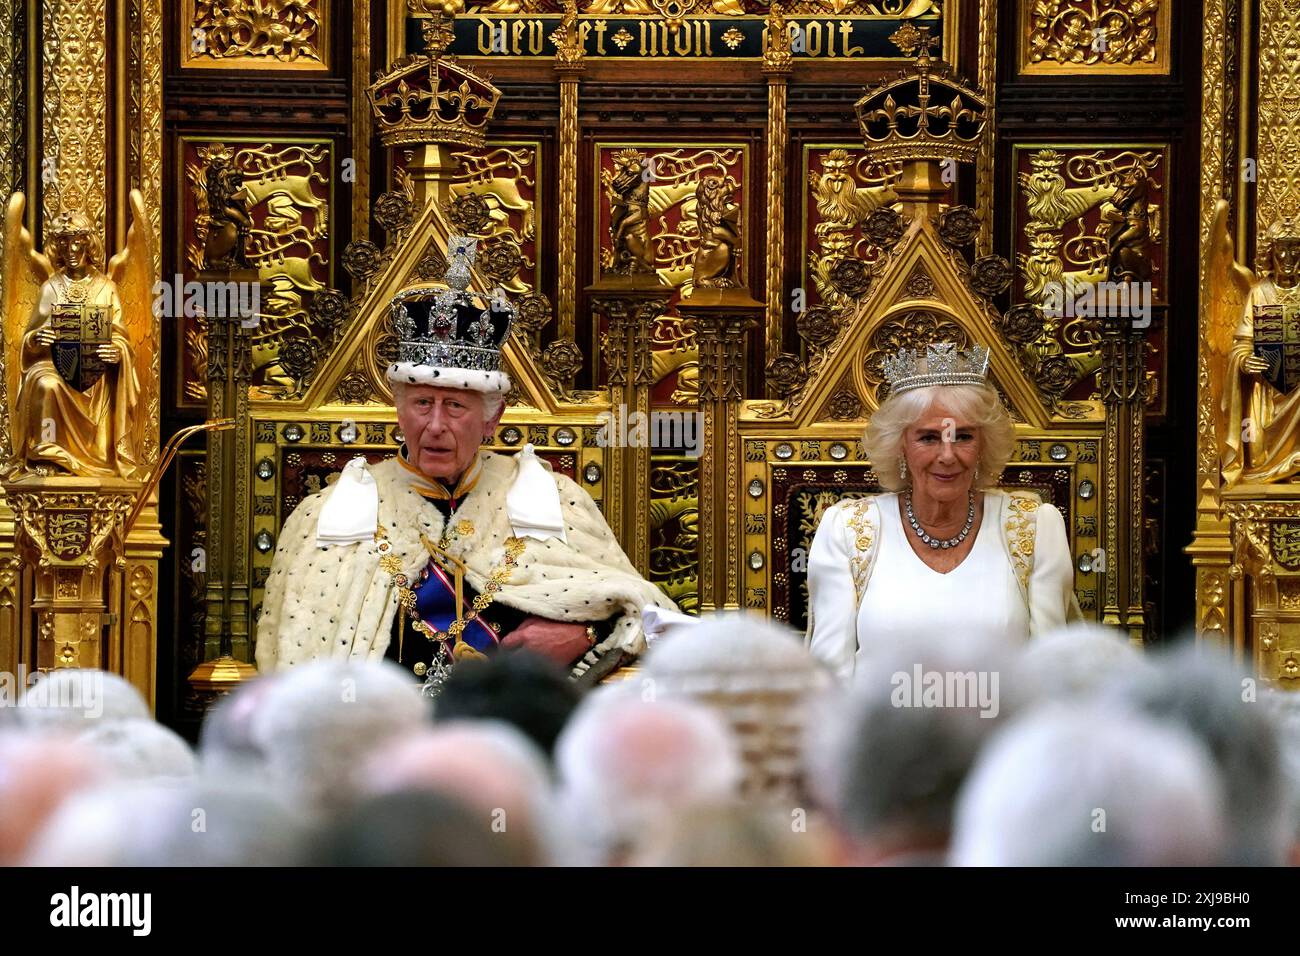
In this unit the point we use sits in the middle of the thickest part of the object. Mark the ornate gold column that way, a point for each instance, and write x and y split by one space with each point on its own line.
140 153
362 121
226 637
985 160
14 98
73 159
721 318
631 304
569 66
1278 191
1219 597
778 63
1123 393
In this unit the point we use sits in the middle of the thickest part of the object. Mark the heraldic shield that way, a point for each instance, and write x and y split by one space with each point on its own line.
1277 341
79 331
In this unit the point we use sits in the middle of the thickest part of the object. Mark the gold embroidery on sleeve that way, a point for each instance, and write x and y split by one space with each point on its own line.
864 531
1021 525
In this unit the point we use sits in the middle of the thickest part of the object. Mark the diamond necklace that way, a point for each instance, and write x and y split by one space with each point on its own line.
933 541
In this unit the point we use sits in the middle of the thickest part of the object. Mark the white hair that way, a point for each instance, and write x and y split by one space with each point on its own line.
70 699
979 404
1201 691
627 765
202 823
227 743
1285 705
759 677
1089 787
490 767
889 763
320 720
138 749
1074 662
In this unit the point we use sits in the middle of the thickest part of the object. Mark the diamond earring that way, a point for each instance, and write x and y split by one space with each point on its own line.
902 468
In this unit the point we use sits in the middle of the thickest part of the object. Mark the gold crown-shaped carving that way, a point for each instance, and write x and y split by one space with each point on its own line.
925 114
941 364
430 98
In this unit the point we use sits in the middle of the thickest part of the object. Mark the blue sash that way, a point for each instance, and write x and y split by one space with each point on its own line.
435 603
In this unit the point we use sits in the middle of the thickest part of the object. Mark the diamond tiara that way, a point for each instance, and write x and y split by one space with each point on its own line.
941 364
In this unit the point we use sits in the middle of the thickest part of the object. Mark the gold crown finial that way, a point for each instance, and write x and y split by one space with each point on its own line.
926 115
430 98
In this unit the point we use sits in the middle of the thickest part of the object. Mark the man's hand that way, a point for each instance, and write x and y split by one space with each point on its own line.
44 336
109 353
1254 365
556 640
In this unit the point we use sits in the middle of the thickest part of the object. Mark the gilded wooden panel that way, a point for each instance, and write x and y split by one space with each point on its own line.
289 190
1094 37
254 35
673 173
1075 206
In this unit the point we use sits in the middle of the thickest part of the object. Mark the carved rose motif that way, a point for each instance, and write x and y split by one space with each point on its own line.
785 373
394 211
354 389
362 258
1055 374
469 214
1023 323
818 326
432 266
562 359
920 286
884 227
532 312
501 262
386 350
329 308
990 275
851 277
958 226
845 406
298 356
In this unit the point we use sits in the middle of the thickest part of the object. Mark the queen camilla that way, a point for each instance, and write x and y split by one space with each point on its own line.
942 550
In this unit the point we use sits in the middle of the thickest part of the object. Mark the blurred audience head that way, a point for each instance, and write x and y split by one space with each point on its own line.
228 742
496 773
317 722
36 775
893 759
1082 786
70 699
1202 692
759 678
1285 705
199 823
137 749
627 766
736 835
525 690
1073 663
414 828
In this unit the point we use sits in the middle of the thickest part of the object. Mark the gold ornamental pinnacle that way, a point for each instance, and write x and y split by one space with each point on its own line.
429 98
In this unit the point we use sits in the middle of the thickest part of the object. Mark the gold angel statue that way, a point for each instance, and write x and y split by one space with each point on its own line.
78 348
1254 350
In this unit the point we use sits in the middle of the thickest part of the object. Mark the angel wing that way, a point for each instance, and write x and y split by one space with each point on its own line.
1228 287
132 271
25 271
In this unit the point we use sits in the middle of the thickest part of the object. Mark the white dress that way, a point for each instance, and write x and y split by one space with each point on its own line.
980 600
